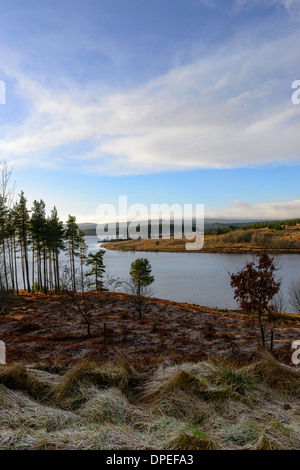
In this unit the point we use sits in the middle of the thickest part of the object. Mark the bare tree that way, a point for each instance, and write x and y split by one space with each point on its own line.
278 303
87 301
6 295
138 295
6 195
83 302
295 296
3 296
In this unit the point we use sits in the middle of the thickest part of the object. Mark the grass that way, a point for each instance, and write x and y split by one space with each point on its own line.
212 404
18 411
277 436
17 377
237 380
112 406
193 439
74 386
276 376
240 434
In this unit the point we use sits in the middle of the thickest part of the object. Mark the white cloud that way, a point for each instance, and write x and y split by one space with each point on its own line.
288 4
229 109
238 210
273 211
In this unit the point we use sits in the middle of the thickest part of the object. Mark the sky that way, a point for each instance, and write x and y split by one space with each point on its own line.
162 101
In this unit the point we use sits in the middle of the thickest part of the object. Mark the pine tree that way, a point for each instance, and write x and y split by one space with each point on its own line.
14 243
55 244
141 278
97 270
22 226
82 255
11 246
38 229
3 236
72 246
140 273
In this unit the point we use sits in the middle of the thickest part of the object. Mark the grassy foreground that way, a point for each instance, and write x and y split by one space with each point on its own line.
237 241
206 405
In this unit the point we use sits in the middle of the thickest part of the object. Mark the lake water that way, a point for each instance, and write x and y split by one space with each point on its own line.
199 278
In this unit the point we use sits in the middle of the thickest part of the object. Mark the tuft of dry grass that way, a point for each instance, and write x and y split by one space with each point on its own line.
238 380
71 385
18 411
277 436
111 406
17 377
194 439
181 380
275 375
203 380
240 434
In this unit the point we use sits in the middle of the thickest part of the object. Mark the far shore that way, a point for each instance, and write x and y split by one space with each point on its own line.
237 242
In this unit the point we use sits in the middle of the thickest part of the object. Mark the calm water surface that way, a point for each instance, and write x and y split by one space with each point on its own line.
199 278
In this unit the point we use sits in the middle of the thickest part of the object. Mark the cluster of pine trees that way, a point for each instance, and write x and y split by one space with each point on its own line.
271 225
31 243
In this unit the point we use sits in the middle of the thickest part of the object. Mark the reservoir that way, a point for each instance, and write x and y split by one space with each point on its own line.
199 278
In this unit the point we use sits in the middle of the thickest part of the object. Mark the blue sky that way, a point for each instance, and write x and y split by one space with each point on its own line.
165 101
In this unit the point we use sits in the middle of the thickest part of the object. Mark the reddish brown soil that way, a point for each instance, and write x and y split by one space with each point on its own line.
48 329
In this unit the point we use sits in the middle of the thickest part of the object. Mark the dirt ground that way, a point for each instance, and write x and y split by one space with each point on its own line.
40 328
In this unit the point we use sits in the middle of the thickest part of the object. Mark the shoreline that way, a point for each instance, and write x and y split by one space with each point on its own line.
127 246
240 241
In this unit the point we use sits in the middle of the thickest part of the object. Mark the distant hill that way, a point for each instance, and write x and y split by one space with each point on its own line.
209 225
88 228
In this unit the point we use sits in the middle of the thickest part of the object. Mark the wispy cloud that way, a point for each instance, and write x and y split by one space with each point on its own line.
275 210
291 5
226 110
